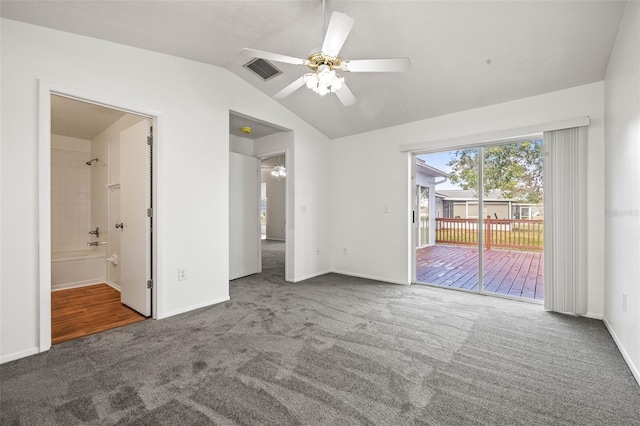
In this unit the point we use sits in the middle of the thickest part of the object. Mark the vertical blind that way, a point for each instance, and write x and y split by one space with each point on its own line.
565 229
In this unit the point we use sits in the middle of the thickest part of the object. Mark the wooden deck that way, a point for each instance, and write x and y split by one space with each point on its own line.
513 273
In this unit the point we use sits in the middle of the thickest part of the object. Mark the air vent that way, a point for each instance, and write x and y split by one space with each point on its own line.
263 68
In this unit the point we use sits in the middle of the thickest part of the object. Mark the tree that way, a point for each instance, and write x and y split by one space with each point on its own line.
515 169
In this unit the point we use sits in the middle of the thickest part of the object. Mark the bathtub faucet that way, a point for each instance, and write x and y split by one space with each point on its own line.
96 232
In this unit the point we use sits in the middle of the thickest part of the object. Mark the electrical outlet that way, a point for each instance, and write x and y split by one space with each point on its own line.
318 251
182 274
386 209
344 251
624 302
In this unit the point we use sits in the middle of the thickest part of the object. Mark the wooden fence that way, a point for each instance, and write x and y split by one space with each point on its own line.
514 234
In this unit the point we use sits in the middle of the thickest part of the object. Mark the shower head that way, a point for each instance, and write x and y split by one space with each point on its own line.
88 163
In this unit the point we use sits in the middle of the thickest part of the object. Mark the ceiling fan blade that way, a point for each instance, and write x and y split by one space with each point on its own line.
290 88
378 65
253 53
345 96
337 32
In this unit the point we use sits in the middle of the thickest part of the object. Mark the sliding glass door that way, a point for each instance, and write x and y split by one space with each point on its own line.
451 258
487 219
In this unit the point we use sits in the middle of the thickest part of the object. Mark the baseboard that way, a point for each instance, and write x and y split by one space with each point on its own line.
275 239
306 277
370 277
78 284
593 316
194 307
113 285
625 355
18 355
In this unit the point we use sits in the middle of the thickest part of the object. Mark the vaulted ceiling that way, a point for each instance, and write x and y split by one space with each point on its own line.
464 55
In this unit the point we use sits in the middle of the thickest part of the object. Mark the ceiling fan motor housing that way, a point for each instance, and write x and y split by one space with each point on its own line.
317 59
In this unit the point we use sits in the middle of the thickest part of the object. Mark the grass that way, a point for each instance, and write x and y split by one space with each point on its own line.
515 239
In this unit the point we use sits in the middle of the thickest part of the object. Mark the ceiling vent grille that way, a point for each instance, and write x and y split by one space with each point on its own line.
263 68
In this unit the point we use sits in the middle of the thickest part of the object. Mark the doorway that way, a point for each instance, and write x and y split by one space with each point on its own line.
486 234
101 217
259 201
273 185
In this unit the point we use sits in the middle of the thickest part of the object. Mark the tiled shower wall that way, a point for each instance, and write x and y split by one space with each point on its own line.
99 191
70 193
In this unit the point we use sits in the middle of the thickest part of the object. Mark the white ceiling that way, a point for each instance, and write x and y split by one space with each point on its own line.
464 55
259 128
70 117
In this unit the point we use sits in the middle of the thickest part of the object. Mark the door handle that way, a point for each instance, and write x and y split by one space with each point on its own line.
120 225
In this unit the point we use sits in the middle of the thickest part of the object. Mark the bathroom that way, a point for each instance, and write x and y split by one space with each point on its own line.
86 223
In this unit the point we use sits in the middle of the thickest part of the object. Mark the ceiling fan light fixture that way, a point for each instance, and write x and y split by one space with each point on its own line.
323 81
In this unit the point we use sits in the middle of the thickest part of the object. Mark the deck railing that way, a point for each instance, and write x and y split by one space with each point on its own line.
514 234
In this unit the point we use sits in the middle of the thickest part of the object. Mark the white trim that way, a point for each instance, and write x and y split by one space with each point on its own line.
501 136
275 239
44 214
197 306
271 154
288 234
112 285
623 351
18 355
46 89
316 274
77 284
413 211
593 316
289 210
370 277
289 214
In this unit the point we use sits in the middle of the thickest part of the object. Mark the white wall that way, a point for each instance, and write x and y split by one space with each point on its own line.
622 186
377 243
193 101
240 145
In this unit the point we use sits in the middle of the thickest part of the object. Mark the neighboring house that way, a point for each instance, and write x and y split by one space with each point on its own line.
463 204
427 178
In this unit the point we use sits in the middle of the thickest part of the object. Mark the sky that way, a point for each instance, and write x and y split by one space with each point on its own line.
439 160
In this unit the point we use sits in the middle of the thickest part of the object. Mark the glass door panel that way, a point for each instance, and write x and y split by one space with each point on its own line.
448 219
512 260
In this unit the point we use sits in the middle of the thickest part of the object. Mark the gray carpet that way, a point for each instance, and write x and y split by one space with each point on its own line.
332 350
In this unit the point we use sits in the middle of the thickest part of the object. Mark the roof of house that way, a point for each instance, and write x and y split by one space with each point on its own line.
471 195
422 167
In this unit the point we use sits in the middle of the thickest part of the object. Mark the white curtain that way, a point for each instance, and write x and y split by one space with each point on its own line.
565 222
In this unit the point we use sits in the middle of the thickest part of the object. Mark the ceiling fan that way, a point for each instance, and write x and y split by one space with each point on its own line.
326 64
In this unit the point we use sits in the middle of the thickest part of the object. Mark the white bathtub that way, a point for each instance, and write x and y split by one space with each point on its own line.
78 268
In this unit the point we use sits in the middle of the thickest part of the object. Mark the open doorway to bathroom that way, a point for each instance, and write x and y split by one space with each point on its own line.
101 178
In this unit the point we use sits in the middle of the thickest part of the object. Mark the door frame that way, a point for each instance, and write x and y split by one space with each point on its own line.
288 272
45 90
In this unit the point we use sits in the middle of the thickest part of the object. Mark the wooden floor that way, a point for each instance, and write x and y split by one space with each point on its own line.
514 273
87 310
